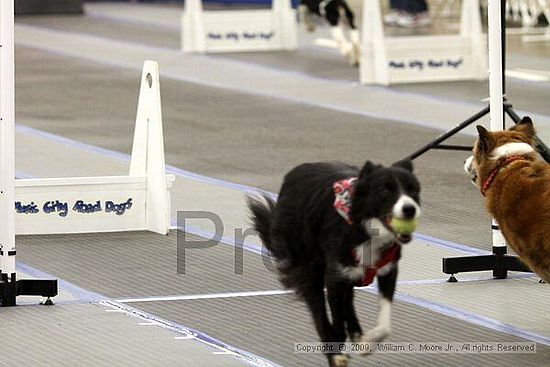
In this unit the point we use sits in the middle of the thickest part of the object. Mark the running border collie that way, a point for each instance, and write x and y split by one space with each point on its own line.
330 227
334 11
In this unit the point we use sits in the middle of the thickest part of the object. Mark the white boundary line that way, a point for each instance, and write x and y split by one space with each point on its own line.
205 296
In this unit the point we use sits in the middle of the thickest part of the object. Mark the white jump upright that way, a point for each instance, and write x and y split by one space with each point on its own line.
238 30
7 139
411 59
138 201
496 94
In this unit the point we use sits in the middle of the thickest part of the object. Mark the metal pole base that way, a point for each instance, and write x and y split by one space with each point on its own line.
498 262
11 288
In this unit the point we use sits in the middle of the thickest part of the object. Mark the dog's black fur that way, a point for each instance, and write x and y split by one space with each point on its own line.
332 10
310 241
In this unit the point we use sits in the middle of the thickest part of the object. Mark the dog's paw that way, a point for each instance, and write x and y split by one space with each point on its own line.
339 360
355 337
375 335
354 56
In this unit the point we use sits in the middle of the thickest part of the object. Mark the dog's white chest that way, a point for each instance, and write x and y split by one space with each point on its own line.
368 254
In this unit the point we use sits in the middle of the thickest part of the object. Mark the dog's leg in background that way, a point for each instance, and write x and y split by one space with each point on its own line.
353 34
336 294
314 296
352 322
386 289
305 17
332 13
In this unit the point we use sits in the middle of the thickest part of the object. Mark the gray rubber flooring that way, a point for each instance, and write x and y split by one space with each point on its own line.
309 60
144 264
270 326
119 265
266 137
243 138
87 335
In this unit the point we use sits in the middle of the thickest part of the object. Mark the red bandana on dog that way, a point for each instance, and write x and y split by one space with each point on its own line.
391 254
343 191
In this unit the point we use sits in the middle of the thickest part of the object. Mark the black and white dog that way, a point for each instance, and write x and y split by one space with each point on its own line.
331 228
334 11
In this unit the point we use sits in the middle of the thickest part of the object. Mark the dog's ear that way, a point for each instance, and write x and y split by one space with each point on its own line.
367 169
406 164
485 141
525 126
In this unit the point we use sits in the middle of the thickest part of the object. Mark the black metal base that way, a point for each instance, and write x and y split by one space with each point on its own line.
11 288
498 262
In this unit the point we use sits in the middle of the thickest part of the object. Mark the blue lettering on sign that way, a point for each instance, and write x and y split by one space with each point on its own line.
397 65
56 206
435 64
454 64
267 36
416 64
236 36
31 208
81 207
430 63
216 36
232 35
119 209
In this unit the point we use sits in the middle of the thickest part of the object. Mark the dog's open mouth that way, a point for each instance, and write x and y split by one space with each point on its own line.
402 238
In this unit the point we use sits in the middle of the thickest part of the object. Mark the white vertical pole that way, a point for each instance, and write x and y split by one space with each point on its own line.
7 138
193 38
148 150
495 87
374 61
495 66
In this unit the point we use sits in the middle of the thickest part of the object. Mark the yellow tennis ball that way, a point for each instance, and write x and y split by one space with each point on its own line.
404 226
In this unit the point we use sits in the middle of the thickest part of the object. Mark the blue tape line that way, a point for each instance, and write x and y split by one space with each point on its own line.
253 247
248 357
483 321
474 318
437 242
210 180
240 89
82 295
88 297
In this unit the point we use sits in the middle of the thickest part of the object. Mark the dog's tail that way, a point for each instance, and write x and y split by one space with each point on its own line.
261 214
293 272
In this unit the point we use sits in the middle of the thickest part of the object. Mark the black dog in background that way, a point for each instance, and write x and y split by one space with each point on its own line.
334 11
331 228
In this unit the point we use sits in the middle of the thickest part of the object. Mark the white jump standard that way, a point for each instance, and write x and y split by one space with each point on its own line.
137 201
409 59
10 287
238 30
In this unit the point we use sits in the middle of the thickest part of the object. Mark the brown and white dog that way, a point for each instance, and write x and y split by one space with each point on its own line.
516 185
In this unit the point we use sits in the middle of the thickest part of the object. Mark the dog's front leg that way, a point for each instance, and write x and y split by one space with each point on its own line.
304 15
337 297
338 35
355 55
386 289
